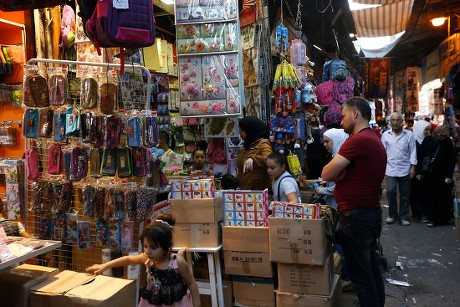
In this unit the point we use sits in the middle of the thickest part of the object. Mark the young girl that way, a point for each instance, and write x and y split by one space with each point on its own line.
284 186
169 278
200 166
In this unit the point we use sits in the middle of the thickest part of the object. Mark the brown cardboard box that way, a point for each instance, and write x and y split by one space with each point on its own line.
334 299
228 295
246 251
298 241
197 211
247 264
197 235
253 291
245 239
16 283
72 289
306 279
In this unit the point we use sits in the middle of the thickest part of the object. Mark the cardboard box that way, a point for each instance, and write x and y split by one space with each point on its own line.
245 239
253 291
334 299
306 279
298 241
16 283
206 300
197 235
248 264
197 211
72 289
246 251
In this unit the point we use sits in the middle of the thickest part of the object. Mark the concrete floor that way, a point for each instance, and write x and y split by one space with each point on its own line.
431 264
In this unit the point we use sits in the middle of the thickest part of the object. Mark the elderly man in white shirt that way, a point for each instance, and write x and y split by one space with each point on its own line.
400 146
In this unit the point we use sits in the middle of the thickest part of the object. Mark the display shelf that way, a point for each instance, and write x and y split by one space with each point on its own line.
49 246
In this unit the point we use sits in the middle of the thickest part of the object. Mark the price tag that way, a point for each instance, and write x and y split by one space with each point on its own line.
121 4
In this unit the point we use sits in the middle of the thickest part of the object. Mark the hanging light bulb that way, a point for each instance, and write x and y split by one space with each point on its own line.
439 21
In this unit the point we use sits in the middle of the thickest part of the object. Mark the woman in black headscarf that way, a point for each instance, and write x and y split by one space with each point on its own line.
252 168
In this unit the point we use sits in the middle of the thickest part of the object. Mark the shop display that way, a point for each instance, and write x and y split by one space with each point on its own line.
245 208
192 189
296 211
209 84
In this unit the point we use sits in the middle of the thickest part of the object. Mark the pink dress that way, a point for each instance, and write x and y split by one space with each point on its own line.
165 287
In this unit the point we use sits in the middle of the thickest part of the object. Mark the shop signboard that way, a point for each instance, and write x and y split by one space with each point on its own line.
449 51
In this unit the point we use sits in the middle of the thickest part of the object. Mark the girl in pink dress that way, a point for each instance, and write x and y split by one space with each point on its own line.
169 279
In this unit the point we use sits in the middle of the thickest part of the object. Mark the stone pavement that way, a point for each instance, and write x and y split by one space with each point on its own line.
430 259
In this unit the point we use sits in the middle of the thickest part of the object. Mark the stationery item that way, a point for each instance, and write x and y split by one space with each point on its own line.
245 208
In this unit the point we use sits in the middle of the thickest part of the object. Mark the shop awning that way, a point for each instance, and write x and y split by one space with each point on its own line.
388 19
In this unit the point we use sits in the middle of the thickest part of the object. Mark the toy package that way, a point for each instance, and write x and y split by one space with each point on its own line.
192 189
296 211
245 208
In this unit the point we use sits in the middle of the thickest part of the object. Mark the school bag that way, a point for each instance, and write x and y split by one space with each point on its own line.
124 27
31 123
31 164
87 8
54 159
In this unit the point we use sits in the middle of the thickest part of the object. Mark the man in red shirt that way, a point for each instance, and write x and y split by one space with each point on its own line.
358 171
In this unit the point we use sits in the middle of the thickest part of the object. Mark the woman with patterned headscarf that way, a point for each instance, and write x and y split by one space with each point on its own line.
252 168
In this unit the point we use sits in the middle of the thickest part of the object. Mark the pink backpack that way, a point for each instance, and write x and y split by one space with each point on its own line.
54 159
31 164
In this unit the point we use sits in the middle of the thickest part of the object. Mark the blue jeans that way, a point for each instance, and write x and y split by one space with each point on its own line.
358 232
404 197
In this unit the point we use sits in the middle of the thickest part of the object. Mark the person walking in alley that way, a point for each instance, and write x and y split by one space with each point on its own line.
358 171
401 151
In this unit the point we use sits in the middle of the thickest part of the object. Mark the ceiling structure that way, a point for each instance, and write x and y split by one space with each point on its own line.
328 23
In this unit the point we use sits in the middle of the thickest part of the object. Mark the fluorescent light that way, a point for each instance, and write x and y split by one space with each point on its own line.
352 35
439 21
359 6
319 48
168 2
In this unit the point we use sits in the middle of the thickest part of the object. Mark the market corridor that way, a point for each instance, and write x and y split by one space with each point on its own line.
430 263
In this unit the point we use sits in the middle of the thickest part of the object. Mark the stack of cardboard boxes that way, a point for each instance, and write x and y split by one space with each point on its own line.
37 286
246 252
305 263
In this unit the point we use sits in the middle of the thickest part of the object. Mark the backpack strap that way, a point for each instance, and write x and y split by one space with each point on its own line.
279 186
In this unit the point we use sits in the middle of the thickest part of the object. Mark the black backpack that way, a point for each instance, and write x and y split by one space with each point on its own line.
87 8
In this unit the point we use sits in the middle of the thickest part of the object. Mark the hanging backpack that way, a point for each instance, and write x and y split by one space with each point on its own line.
124 27
31 164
